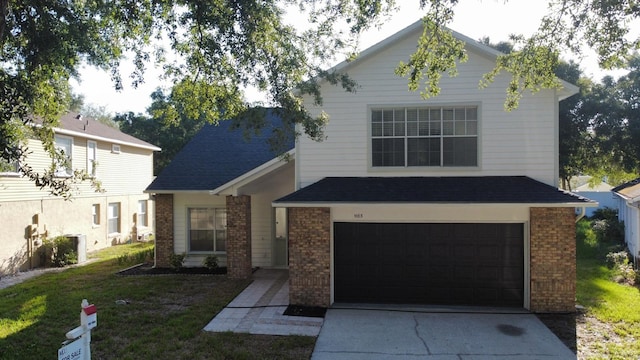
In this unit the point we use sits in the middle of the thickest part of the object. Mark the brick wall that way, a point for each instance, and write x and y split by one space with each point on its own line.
553 260
164 229
310 256
239 237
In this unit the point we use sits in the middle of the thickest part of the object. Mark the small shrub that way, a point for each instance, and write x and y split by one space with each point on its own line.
211 262
59 251
622 267
176 261
605 213
609 230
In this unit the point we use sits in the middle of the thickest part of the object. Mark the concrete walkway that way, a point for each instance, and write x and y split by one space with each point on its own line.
259 309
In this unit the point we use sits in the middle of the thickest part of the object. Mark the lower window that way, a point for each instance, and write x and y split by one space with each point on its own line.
113 218
207 229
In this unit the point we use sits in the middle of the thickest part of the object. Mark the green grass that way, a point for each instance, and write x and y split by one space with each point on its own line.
163 320
617 305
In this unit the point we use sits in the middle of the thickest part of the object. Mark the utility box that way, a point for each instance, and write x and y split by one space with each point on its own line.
80 244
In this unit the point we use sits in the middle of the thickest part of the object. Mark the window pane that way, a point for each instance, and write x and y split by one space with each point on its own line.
399 128
434 114
460 128
201 240
387 128
423 152
376 123
447 114
221 240
423 128
472 113
434 128
387 152
447 128
472 127
460 113
461 151
412 128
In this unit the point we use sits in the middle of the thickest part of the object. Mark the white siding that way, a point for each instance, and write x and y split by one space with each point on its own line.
630 215
521 142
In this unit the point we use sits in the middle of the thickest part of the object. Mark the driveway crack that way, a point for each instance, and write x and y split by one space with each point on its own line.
415 329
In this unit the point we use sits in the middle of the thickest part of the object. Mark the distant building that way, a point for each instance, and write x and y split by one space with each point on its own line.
122 163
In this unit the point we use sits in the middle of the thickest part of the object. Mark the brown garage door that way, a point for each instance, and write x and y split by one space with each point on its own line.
455 264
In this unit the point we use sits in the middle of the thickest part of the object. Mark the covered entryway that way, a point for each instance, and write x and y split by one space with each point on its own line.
434 263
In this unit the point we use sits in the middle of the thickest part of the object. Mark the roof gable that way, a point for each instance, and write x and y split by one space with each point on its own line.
216 155
415 30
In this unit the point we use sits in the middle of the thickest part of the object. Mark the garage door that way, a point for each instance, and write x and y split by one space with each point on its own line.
454 264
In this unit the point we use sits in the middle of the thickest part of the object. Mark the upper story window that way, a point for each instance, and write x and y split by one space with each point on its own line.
9 168
64 144
92 157
425 136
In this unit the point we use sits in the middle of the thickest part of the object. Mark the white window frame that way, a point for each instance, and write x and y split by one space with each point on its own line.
111 218
95 214
391 129
92 157
115 148
142 217
60 170
222 228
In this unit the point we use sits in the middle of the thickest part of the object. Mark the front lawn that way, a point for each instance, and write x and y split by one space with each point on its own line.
162 319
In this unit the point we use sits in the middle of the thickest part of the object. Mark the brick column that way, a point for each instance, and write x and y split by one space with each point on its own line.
239 237
553 260
164 229
310 256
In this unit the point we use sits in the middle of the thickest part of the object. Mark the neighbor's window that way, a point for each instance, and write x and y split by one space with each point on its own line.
207 229
92 157
142 213
115 149
426 136
95 214
64 144
113 218
9 168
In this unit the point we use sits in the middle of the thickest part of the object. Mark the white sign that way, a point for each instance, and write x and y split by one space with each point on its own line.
71 351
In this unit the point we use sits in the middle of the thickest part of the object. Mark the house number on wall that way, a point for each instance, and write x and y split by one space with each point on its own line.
358 216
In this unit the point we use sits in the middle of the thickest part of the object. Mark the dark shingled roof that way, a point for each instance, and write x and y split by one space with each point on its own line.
93 128
476 189
216 155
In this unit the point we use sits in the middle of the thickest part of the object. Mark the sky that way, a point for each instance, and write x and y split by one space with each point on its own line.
474 18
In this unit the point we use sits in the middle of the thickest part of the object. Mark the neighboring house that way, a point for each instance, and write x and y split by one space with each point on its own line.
121 163
628 201
600 193
450 200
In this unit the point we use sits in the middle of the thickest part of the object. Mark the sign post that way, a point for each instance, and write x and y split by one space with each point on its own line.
78 343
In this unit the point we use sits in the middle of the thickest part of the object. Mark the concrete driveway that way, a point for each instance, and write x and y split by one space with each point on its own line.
388 334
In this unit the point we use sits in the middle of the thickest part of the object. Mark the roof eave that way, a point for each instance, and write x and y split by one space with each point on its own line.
461 204
105 139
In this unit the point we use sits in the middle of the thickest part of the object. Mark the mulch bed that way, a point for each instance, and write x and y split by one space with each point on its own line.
148 269
307 311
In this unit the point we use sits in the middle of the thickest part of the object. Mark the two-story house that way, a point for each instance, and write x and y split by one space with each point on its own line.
122 164
450 200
